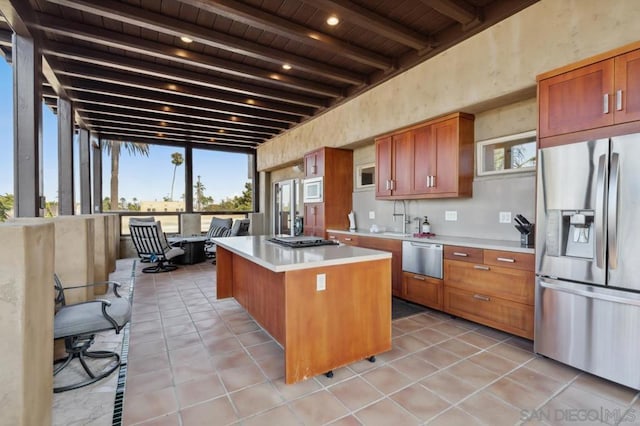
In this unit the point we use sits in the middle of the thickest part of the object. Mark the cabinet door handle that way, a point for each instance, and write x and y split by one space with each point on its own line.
605 104
392 184
332 237
428 182
418 277
481 297
505 259
347 239
433 181
457 253
619 100
481 267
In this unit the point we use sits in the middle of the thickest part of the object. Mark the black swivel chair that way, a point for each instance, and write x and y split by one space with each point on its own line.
150 242
78 324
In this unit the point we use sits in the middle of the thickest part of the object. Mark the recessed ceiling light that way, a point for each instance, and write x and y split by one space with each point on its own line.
222 130
251 102
333 20
172 87
186 39
212 140
160 135
275 76
234 118
163 123
166 108
314 36
286 66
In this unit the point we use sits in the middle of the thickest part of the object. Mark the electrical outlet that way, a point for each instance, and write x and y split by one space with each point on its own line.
451 215
321 282
372 214
504 217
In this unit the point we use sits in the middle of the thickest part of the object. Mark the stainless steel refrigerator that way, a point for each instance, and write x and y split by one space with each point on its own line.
588 257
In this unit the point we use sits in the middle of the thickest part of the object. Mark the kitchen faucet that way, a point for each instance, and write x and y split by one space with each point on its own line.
403 214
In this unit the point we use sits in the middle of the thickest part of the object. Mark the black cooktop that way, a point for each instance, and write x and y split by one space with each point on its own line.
302 241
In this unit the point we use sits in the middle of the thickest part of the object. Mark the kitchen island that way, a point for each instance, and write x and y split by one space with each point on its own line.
327 306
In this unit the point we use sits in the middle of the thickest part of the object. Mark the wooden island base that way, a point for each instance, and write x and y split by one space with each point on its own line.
319 330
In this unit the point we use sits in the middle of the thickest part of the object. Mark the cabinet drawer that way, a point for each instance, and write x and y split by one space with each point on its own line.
465 254
507 283
426 291
343 238
509 259
506 315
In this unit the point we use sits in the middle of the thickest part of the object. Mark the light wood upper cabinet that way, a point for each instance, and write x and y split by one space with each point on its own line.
335 166
627 85
431 160
384 148
314 163
576 100
594 98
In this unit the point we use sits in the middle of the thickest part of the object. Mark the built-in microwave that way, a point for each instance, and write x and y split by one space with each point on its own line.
312 190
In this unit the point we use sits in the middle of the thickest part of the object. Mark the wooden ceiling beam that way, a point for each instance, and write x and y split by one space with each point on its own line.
142 18
73 69
158 50
108 60
96 99
173 141
5 38
176 99
358 15
274 24
159 126
18 13
458 10
123 113
124 129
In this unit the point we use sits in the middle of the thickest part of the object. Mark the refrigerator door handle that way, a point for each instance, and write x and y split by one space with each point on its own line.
612 211
590 294
600 215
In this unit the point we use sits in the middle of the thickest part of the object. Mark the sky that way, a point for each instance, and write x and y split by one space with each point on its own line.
222 174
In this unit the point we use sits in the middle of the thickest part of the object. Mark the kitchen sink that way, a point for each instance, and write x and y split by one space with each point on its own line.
397 234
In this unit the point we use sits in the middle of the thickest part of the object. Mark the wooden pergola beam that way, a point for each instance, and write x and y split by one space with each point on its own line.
274 24
142 18
367 19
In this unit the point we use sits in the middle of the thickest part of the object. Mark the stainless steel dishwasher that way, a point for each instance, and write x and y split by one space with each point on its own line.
422 258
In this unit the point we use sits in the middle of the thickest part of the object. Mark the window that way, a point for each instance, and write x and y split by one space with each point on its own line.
222 181
149 177
365 175
507 154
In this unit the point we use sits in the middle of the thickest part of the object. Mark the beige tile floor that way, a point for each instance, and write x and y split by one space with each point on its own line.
195 360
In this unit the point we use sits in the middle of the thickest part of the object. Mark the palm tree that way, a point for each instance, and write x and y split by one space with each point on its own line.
199 187
176 160
112 148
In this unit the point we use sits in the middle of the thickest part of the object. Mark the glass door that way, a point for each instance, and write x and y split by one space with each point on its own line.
285 206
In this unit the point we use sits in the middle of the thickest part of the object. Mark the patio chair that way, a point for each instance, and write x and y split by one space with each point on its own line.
239 228
143 259
78 324
151 242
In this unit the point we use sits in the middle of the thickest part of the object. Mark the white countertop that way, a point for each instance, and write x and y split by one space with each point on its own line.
482 243
279 258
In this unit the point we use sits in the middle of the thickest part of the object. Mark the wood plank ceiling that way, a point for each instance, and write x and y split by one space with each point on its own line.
230 73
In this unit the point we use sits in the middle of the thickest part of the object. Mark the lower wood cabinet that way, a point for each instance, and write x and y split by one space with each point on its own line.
503 314
384 244
423 290
395 247
498 296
